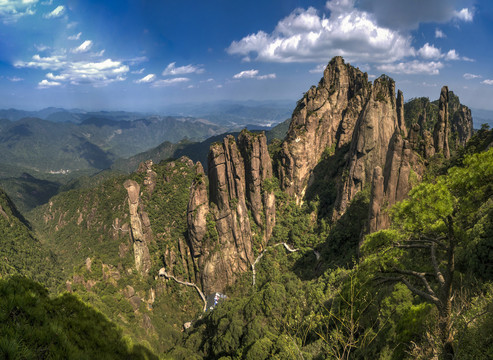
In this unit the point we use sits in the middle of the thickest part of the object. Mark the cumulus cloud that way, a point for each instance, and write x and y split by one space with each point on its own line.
82 48
146 79
75 37
12 10
45 84
140 71
429 52
306 36
406 15
487 82
96 73
469 76
439 34
253 74
171 69
246 74
452 55
59 11
412 67
15 79
464 14
169 82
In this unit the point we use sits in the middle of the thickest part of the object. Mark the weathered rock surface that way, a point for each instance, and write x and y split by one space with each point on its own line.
441 131
370 143
141 250
222 234
258 169
403 168
197 210
324 117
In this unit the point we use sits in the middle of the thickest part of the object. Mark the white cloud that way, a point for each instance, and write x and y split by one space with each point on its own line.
50 62
49 2
140 71
45 84
253 74
464 14
305 36
56 13
268 76
469 76
75 37
56 77
487 82
96 73
246 74
439 34
452 55
412 67
429 52
146 79
82 48
171 69
15 79
13 10
169 82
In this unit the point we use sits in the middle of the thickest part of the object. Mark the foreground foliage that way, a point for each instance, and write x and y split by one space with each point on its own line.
35 326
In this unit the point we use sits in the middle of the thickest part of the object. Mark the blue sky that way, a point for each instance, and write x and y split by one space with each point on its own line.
144 55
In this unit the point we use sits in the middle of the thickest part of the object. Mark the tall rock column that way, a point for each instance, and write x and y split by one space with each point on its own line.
441 131
258 170
237 219
371 139
141 251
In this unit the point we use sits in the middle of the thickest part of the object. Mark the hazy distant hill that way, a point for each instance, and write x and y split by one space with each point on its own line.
237 114
482 117
93 144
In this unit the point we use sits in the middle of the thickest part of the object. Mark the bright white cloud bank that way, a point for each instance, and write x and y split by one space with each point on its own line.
358 34
12 10
96 73
305 36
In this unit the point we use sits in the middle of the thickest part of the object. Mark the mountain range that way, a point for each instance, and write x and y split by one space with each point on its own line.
365 232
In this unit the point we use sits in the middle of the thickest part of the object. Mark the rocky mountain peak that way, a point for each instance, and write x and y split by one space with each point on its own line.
325 117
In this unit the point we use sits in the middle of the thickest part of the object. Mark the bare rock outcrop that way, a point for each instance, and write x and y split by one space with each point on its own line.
370 143
324 117
403 169
222 233
197 210
441 131
141 251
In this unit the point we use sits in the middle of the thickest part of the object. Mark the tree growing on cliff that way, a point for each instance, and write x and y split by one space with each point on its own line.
429 229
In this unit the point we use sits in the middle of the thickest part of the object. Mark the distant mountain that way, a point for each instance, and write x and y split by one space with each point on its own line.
95 143
237 114
482 117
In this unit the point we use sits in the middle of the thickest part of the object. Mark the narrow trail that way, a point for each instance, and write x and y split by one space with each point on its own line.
288 248
162 272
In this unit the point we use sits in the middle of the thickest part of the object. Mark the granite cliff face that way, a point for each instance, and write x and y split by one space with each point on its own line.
325 117
237 216
384 143
370 142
